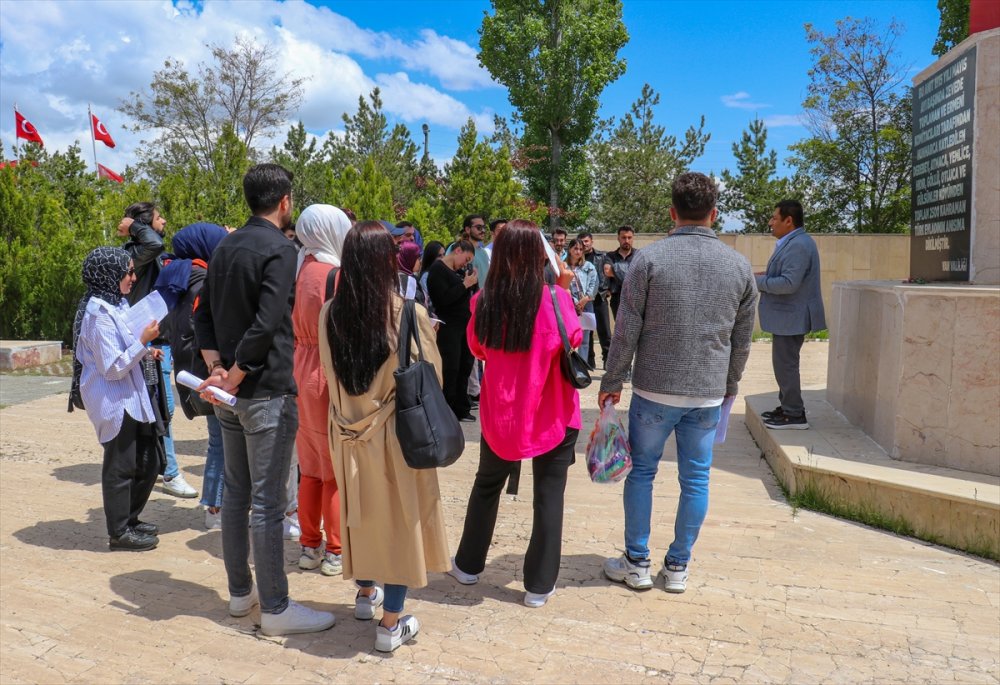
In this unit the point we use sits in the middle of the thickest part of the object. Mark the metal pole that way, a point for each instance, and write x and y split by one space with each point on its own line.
93 142
17 135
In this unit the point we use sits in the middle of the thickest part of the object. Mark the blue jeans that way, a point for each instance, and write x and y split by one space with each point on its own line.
166 385
395 595
258 436
649 426
585 345
215 466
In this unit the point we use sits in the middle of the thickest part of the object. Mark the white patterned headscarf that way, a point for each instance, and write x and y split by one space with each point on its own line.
321 229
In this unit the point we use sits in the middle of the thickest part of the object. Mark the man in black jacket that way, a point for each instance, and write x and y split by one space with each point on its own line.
450 289
244 330
596 257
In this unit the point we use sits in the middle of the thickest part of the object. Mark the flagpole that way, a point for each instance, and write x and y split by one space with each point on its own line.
17 152
93 142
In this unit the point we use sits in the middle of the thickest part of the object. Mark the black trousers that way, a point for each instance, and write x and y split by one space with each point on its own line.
603 330
456 365
785 351
131 465
541 562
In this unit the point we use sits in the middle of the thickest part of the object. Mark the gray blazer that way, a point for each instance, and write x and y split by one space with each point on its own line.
790 299
686 316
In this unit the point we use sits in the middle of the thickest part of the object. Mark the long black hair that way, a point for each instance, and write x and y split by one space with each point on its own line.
431 252
360 327
508 305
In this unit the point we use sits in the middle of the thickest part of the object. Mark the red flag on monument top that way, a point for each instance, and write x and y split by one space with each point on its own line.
100 132
26 130
104 172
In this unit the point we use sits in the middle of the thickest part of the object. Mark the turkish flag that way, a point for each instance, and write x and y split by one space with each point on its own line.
26 130
100 132
104 172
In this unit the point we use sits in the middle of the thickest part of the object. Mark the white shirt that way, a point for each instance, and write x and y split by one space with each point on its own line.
682 401
111 382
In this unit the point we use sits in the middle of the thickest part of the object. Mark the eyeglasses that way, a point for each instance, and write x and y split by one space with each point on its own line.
130 272
479 225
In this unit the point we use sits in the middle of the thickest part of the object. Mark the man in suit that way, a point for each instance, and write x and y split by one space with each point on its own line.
790 307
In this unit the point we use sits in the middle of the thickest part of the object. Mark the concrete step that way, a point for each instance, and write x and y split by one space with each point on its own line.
837 464
19 354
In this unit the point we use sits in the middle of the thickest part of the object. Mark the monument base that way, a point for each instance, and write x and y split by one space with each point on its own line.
915 367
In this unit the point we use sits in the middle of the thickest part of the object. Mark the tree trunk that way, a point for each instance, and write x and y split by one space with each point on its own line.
554 218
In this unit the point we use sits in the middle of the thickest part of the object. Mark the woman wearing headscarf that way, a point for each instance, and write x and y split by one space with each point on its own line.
321 230
392 523
180 281
408 260
113 388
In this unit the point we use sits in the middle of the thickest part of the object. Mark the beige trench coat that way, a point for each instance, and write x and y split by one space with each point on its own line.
391 523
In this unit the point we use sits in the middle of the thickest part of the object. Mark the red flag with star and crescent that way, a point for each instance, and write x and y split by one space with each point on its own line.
107 173
26 130
100 131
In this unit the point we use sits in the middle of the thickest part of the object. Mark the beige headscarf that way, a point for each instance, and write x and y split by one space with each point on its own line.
321 230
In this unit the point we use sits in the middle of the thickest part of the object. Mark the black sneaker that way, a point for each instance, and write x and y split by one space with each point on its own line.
786 422
147 528
778 411
468 418
133 541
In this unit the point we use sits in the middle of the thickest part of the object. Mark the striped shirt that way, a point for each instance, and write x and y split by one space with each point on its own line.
112 380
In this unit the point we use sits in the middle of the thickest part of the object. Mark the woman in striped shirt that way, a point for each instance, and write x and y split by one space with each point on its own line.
115 395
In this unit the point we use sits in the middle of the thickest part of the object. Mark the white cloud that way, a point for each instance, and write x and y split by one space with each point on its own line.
55 57
778 120
741 100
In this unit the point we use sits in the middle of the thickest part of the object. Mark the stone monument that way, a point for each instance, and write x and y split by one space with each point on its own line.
916 366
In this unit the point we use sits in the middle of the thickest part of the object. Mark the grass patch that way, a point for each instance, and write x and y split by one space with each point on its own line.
764 336
814 498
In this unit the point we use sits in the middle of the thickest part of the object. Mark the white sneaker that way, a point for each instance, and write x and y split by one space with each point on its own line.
388 640
296 619
213 521
333 565
178 487
675 577
241 606
292 530
537 599
311 558
364 607
461 576
635 575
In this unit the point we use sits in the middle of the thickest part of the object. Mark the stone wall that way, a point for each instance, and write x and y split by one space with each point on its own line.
847 257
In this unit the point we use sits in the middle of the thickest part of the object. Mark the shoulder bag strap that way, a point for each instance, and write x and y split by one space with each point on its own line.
559 319
407 332
331 283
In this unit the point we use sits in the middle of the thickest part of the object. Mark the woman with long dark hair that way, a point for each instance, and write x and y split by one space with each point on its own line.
528 409
583 287
392 528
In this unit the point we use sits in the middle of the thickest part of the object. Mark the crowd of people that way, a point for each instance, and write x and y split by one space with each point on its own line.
301 324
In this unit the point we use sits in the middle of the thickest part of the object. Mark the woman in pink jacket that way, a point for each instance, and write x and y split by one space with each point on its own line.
528 409
321 230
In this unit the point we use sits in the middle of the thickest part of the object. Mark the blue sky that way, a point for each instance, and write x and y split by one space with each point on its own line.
728 60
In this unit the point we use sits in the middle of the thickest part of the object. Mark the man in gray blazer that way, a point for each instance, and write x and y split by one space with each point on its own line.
790 307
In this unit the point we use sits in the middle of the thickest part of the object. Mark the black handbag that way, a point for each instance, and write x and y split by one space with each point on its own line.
428 431
575 368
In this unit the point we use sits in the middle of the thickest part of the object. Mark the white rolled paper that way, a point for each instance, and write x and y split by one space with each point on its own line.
189 380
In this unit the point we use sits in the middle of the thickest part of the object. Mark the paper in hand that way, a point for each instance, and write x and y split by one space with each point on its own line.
553 259
189 380
152 307
720 430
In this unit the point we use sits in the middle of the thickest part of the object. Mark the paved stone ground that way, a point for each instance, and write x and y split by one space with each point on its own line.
775 595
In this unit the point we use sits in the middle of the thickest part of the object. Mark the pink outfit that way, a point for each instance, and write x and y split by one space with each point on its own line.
525 404
318 493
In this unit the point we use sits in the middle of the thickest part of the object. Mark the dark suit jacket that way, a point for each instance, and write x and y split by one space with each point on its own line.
790 299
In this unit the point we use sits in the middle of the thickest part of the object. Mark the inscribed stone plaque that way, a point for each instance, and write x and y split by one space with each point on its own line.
941 182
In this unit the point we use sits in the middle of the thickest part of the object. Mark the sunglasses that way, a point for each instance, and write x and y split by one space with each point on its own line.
130 272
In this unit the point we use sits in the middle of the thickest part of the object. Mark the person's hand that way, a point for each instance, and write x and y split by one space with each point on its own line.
222 379
603 397
229 229
124 225
471 279
565 276
759 273
579 306
156 353
608 271
150 332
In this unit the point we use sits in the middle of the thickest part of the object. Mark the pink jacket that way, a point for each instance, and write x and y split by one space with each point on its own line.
525 404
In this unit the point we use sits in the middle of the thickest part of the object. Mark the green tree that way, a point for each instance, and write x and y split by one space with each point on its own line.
367 136
241 90
954 27
858 116
634 164
752 192
428 218
555 57
479 179
312 176
367 193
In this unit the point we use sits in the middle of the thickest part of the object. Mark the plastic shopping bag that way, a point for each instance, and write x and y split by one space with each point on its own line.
608 454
